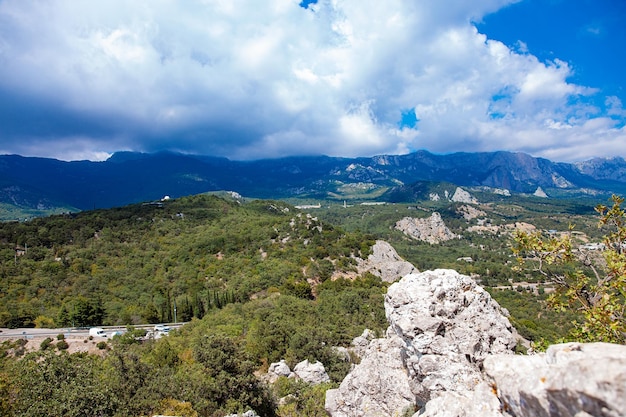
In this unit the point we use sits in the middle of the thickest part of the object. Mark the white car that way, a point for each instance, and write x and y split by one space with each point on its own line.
161 330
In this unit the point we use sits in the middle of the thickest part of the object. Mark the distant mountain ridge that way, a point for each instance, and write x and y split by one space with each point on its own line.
128 177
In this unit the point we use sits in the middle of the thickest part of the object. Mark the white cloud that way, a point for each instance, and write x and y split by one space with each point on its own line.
233 78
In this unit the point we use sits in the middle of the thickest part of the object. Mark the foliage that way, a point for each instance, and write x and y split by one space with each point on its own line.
597 289
254 283
62 345
46 343
46 383
300 398
165 262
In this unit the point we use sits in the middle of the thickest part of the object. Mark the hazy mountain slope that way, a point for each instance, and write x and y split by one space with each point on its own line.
129 177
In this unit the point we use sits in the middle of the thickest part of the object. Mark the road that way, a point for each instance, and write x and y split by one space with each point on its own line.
69 332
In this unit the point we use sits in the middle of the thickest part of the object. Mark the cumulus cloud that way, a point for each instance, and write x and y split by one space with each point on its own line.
84 79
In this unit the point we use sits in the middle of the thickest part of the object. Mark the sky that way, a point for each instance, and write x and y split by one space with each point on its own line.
246 79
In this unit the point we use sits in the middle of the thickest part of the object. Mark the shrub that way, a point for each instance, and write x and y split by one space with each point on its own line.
60 336
62 345
101 345
46 343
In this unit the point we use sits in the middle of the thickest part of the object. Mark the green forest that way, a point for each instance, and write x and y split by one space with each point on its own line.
251 280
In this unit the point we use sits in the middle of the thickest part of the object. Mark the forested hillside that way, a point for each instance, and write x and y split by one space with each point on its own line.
146 263
253 280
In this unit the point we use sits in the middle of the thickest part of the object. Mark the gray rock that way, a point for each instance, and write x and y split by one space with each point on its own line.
449 325
312 373
442 325
378 386
360 343
276 370
479 402
462 196
249 413
432 229
447 352
384 262
571 379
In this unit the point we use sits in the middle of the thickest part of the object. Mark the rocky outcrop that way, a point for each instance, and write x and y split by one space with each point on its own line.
572 379
378 386
432 230
540 193
360 343
462 196
469 212
312 373
442 326
447 353
384 262
278 369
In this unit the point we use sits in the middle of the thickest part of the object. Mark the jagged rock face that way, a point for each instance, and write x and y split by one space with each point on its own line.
447 353
571 379
385 263
442 326
378 386
432 230
449 324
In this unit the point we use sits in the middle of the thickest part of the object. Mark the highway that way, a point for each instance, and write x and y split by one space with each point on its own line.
30 333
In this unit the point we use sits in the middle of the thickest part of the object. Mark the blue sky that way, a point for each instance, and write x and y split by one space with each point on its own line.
81 80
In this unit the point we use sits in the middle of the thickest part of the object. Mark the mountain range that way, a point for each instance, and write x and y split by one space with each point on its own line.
128 177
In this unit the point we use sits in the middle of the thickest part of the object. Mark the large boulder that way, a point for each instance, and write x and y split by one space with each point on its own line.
278 369
442 326
312 373
449 325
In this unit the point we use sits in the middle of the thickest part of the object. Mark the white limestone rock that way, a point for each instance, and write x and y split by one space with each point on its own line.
442 325
278 369
378 386
249 413
432 229
462 196
540 193
571 379
384 262
360 343
447 353
481 401
449 324
312 373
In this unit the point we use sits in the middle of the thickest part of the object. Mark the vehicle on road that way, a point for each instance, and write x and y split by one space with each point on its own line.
97 332
162 328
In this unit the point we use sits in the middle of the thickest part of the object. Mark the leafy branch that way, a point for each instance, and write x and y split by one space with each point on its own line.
597 289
